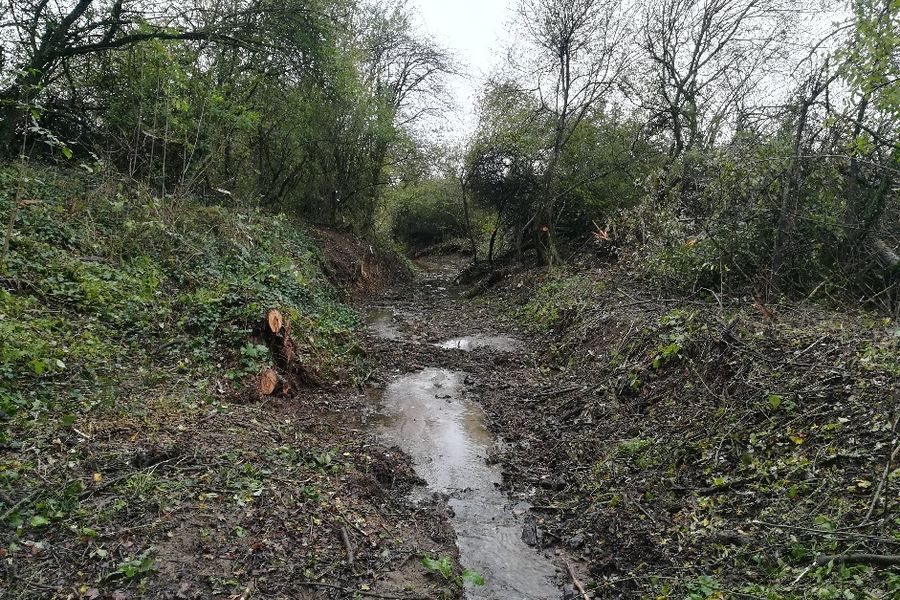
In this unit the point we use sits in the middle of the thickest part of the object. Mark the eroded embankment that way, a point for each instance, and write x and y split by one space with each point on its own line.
685 448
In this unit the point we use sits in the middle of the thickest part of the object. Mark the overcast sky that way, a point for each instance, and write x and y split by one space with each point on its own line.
474 30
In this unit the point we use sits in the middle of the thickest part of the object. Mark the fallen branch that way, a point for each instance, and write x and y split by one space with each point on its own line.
880 560
345 538
892 456
16 506
828 532
575 581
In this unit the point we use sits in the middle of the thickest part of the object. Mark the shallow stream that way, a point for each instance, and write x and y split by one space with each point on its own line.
426 414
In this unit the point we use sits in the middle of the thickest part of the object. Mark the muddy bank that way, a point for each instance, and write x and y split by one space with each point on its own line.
673 447
284 499
439 355
685 448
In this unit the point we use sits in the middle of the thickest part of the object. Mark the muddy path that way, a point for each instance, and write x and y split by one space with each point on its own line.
442 358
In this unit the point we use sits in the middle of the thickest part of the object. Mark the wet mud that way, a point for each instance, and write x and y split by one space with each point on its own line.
427 405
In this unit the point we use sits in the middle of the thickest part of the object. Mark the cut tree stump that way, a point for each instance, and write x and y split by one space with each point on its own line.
276 332
275 320
268 382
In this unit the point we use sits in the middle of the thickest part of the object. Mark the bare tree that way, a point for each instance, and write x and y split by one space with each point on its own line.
401 66
578 58
705 57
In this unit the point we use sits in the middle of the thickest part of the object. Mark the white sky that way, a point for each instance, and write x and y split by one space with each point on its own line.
474 31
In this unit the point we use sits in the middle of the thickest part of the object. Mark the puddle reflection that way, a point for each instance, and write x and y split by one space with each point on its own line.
425 414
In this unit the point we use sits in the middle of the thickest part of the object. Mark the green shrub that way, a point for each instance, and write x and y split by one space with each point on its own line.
425 214
558 294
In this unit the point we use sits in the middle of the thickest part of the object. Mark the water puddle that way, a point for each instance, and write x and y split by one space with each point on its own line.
474 342
425 414
381 322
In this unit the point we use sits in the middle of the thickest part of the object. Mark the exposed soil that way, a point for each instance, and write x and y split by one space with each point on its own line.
645 469
234 501
675 447
428 327
357 266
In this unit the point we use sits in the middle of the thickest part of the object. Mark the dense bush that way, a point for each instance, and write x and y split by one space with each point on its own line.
426 214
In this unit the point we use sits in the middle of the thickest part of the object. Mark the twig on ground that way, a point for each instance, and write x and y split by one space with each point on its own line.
30 583
558 392
352 524
345 538
892 456
575 581
16 506
643 510
836 532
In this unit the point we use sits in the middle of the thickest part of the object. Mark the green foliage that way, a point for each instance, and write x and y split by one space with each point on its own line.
502 160
469 576
634 446
703 588
676 329
304 112
870 60
106 285
133 568
426 213
444 566
598 173
559 294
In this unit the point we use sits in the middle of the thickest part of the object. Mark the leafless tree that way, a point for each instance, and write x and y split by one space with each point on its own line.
577 58
705 56
403 66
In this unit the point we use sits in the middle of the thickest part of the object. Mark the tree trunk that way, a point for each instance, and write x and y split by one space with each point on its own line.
469 231
12 115
854 196
490 256
787 214
544 228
